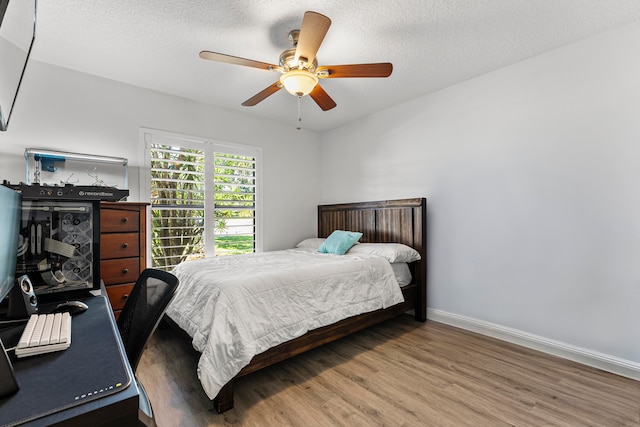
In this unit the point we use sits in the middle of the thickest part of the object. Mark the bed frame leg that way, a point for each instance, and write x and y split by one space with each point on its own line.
421 308
421 301
224 400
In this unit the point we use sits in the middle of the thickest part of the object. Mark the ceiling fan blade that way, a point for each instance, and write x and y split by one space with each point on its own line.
312 31
321 97
382 69
221 57
261 96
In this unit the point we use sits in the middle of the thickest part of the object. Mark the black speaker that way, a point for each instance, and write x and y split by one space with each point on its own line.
22 299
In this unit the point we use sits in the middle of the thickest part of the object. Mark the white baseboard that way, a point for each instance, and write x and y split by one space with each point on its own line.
605 362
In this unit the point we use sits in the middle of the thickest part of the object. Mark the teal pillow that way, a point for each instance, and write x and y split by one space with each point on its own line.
339 242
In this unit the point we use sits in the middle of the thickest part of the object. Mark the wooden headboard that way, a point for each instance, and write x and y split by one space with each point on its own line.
387 221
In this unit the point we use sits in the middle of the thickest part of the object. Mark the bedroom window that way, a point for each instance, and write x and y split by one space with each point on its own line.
203 198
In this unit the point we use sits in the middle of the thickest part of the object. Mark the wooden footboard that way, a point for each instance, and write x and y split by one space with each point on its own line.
389 221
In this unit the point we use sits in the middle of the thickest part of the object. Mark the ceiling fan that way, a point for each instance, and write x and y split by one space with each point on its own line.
299 65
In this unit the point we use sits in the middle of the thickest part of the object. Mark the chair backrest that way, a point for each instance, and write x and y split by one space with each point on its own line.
143 310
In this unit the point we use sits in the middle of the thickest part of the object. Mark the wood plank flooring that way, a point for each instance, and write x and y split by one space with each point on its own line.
400 373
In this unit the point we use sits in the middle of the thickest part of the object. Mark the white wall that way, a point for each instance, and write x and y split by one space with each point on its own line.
66 110
532 175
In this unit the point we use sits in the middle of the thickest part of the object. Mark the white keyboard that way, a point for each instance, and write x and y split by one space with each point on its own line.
45 333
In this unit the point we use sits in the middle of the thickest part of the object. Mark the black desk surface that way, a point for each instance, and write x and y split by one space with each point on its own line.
90 383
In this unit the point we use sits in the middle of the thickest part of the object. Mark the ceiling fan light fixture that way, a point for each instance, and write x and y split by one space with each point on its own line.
299 65
299 82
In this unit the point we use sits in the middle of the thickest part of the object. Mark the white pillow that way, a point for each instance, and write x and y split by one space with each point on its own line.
393 252
311 243
402 272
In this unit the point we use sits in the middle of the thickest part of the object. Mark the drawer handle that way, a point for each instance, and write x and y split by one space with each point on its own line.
124 219
125 245
125 270
125 296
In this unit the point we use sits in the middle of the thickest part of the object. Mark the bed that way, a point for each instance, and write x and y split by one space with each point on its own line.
220 333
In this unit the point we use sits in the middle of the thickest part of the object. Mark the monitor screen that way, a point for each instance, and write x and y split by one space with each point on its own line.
10 209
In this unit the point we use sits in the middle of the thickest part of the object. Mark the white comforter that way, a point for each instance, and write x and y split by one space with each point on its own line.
238 306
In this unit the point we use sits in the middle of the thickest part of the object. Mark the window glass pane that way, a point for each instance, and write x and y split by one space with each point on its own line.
177 205
235 203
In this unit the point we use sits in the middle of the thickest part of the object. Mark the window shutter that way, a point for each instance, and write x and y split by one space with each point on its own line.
190 219
234 181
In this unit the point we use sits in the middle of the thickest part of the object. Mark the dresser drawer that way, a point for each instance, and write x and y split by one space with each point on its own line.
119 245
118 295
117 271
119 220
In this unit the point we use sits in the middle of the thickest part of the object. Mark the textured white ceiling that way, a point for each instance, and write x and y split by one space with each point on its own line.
431 43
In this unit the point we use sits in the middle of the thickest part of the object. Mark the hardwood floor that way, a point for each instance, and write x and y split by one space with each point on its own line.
400 373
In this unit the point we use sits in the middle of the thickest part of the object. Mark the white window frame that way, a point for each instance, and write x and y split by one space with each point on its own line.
209 146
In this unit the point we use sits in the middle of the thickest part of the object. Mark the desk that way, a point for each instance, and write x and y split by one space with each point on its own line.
70 377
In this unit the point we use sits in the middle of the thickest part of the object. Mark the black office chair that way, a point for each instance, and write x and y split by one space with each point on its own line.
139 318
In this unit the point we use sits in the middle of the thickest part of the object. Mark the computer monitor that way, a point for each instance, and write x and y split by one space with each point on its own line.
10 210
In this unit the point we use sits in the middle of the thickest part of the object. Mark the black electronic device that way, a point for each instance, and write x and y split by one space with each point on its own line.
58 247
17 35
68 192
9 223
22 299
72 307
59 237
10 209
8 382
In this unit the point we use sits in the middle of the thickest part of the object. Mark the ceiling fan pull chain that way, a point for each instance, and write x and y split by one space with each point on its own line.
299 113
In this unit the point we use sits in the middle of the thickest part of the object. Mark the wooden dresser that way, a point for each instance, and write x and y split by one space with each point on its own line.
123 248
